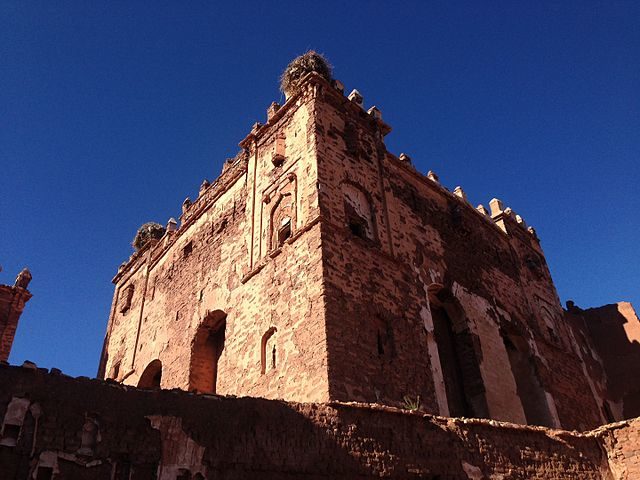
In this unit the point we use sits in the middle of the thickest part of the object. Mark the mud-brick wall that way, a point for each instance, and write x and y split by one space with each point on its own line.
74 428
622 443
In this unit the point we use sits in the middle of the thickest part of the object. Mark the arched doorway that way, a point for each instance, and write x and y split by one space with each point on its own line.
458 358
206 350
532 395
152 375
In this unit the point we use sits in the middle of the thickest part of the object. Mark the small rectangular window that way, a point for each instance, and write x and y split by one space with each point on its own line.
284 232
188 248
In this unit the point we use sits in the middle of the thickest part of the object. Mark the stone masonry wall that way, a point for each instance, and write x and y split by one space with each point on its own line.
218 298
12 303
58 428
319 267
426 242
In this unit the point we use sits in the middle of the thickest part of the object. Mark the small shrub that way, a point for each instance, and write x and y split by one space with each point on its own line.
410 403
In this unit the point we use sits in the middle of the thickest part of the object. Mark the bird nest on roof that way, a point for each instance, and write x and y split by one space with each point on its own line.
301 66
147 232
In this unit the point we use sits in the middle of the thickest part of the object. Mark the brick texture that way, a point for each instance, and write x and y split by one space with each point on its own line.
90 429
321 267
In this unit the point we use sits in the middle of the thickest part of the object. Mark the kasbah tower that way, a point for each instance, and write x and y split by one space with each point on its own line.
321 267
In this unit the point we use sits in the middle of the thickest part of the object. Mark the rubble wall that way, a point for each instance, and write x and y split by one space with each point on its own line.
77 428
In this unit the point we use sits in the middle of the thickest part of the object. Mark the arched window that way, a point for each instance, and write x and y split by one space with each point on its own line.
152 375
268 351
384 339
282 215
207 347
358 212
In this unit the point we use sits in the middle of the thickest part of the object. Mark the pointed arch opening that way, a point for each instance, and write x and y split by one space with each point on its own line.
532 395
268 360
464 387
152 375
207 348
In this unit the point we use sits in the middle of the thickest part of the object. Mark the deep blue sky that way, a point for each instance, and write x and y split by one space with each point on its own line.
111 113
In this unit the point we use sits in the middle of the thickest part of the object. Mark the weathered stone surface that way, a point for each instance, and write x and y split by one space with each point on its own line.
320 267
12 303
165 434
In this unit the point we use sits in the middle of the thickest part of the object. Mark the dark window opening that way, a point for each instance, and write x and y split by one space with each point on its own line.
453 361
44 473
273 358
284 232
152 376
208 346
384 342
116 370
188 248
10 435
263 350
357 228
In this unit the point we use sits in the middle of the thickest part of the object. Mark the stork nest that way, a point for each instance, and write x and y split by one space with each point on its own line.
301 66
147 232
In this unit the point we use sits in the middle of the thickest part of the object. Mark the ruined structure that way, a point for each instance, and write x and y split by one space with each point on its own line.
410 334
320 267
79 429
12 303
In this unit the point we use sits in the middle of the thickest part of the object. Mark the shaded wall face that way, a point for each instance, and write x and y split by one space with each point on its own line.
223 258
426 236
87 429
613 332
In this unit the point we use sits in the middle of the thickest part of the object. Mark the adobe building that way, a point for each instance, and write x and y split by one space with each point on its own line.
12 302
321 267
375 324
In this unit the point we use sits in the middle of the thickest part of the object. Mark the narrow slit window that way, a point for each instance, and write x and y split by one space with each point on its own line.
188 248
284 232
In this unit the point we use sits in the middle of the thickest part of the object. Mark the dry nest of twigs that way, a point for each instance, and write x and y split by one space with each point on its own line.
302 65
148 231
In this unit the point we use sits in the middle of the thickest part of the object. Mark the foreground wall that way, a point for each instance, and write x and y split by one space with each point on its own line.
57 427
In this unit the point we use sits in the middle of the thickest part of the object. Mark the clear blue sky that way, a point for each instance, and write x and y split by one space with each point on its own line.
111 113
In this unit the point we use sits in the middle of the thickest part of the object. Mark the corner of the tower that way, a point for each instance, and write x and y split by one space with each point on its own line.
13 299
